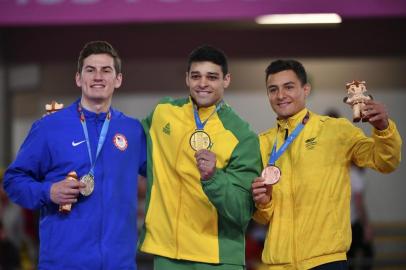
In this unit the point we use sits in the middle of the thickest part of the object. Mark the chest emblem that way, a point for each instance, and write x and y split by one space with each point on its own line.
167 129
311 143
120 141
74 144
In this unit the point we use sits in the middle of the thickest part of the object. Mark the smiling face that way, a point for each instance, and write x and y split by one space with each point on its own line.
286 93
98 79
206 83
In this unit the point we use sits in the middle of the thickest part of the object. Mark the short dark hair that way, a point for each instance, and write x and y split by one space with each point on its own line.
210 54
99 47
289 64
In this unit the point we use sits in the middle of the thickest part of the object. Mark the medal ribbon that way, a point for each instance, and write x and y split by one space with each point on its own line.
199 124
276 154
102 137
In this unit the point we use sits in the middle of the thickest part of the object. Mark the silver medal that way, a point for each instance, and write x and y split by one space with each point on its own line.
88 180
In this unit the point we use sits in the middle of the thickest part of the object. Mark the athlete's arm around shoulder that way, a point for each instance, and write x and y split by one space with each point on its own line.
147 121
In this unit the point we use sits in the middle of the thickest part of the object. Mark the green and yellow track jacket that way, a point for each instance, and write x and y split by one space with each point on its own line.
190 219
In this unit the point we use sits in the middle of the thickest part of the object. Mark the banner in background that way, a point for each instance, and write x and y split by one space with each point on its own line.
46 12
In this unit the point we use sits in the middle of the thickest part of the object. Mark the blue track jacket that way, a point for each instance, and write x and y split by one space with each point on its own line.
101 230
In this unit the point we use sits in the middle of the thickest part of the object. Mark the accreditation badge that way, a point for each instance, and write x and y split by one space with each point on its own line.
88 180
271 174
200 140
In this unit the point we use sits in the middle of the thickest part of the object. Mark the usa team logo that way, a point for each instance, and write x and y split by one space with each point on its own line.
120 141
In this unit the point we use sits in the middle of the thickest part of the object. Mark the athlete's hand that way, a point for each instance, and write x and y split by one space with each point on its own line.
67 190
206 163
52 107
261 193
376 114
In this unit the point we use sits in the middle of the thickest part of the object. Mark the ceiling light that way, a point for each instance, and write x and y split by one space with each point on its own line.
309 18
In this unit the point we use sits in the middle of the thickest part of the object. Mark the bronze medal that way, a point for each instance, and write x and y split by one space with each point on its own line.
271 174
88 180
200 140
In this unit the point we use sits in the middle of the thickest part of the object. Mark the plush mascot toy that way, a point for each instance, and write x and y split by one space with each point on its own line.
356 98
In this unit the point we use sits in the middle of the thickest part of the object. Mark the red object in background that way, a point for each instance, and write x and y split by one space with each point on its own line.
31 224
253 251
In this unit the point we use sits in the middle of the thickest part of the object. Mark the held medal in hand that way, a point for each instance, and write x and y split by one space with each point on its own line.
88 180
271 174
200 140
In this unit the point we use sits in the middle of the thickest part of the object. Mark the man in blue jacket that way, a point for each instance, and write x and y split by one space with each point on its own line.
79 166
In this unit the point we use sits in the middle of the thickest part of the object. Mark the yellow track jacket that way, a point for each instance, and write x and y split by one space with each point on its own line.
309 214
190 219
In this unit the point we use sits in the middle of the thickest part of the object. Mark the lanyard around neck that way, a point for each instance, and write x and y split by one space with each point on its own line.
199 124
102 138
275 154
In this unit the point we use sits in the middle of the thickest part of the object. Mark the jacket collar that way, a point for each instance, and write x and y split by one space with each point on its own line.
291 122
204 112
88 114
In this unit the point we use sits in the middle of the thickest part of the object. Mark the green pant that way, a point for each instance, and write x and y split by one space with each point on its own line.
164 263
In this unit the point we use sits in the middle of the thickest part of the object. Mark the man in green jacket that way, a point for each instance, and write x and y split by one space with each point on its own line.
308 209
202 158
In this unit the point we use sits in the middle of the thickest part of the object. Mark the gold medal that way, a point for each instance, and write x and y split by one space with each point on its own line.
271 174
88 180
200 140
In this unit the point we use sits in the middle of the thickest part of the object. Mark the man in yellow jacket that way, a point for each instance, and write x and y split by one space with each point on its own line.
308 210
